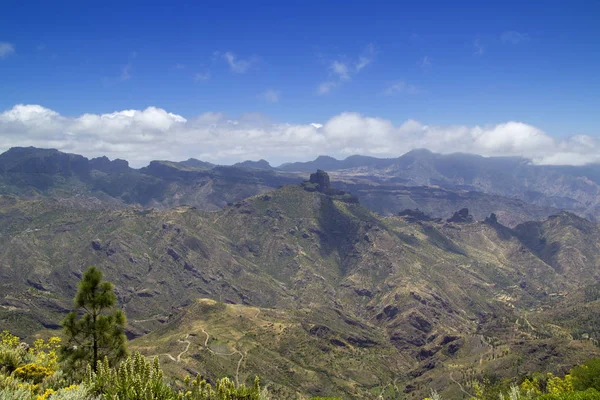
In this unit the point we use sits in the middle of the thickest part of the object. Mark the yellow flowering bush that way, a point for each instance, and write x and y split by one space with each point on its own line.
556 385
47 393
11 354
531 387
29 372
46 353
32 372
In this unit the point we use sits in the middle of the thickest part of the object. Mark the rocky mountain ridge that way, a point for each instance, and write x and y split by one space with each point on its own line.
575 188
34 173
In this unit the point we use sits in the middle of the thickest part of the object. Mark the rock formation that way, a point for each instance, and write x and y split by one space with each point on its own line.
461 215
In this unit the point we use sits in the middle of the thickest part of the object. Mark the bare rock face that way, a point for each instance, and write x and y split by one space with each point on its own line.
321 179
105 165
461 215
415 215
492 219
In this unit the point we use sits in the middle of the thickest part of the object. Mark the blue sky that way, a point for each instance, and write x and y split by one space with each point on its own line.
441 63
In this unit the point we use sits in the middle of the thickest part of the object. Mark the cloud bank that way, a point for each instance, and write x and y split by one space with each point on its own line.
144 135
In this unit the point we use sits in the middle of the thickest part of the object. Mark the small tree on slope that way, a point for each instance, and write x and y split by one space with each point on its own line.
94 332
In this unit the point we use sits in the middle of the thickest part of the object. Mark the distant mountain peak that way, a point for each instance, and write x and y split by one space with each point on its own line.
325 158
420 151
33 160
195 163
260 164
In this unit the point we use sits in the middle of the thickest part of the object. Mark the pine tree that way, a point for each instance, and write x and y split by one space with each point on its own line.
94 332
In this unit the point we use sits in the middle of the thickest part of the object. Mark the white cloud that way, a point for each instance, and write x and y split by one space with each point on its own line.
340 69
27 113
153 133
513 37
343 69
425 62
237 65
180 66
398 87
362 62
6 49
126 72
127 69
326 87
270 95
367 57
479 49
201 76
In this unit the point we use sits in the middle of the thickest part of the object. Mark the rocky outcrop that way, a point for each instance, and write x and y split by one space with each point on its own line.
321 179
110 167
319 182
415 215
461 216
491 220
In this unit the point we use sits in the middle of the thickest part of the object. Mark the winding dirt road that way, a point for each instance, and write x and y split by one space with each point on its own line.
235 351
187 348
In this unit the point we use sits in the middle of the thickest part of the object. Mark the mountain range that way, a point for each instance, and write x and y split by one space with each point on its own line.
243 271
513 188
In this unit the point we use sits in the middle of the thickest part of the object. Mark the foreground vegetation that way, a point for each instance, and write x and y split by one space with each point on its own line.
86 367
582 383
34 373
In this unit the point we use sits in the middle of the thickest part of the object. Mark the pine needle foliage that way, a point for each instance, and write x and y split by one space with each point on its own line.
95 332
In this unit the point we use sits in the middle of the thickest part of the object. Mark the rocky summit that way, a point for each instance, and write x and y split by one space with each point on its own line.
321 179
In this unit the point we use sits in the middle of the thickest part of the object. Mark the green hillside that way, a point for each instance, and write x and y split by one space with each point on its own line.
313 292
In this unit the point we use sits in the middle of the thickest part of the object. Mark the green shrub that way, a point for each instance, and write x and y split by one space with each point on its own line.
138 379
15 394
587 375
74 392
10 359
325 398
8 340
135 379
225 389
8 382
12 355
590 394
